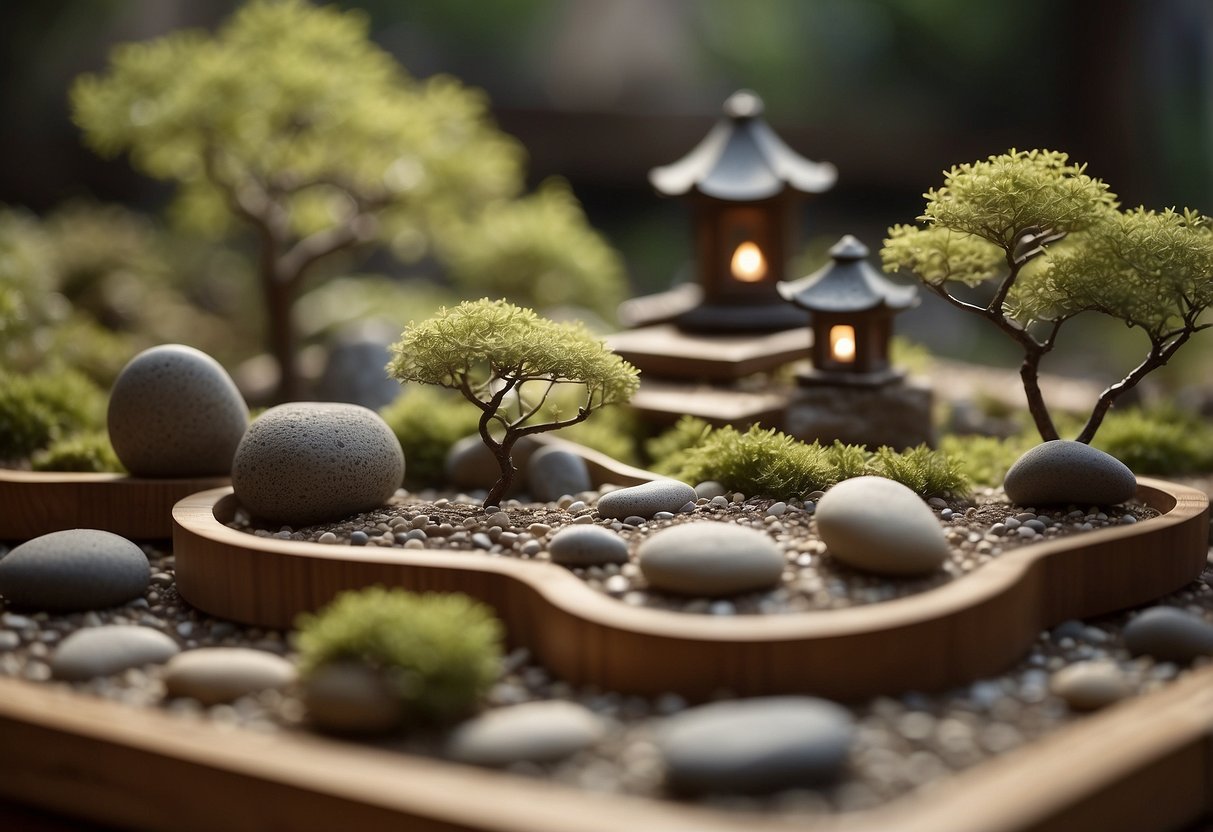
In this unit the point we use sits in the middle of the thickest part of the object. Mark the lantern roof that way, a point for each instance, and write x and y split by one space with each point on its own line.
742 159
848 284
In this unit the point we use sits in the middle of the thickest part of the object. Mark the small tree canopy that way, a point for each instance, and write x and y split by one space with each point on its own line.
507 360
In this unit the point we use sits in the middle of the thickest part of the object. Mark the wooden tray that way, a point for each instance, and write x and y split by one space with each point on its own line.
34 503
1144 765
972 627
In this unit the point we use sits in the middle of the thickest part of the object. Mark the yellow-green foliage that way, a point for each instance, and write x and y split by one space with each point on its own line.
1164 441
440 653
538 251
428 421
767 463
666 448
986 459
88 452
36 410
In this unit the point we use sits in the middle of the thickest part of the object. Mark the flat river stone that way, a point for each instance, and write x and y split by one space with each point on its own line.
1169 635
222 674
881 526
754 746
534 732
309 462
1061 471
587 546
72 570
104 651
175 412
646 499
710 559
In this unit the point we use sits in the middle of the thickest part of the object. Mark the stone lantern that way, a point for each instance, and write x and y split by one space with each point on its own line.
744 185
851 308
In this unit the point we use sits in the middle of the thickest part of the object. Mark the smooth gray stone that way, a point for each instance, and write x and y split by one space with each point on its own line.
555 472
536 732
175 412
351 698
353 370
646 499
75 569
710 559
587 546
104 651
1169 634
753 746
222 674
881 526
1061 471
1089 685
309 462
708 489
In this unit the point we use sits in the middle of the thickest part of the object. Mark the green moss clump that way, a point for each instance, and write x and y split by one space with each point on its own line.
36 410
87 452
428 421
1163 441
986 459
440 653
665 449
768 463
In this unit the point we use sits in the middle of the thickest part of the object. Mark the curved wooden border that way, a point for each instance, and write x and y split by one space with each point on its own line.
1145 765
34 503
964 630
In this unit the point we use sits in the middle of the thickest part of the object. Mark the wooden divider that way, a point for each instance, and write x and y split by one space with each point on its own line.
969 628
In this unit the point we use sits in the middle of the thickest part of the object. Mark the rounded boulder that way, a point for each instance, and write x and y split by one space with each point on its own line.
881 526
1061 471
73 570
175 412
309 462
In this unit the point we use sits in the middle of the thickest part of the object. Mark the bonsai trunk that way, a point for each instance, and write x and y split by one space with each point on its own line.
502 451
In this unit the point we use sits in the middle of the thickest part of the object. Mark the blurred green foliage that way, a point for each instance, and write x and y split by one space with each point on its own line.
428 421
40 408
439 653
86 452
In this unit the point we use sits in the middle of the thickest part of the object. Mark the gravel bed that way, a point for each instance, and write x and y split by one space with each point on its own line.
978 530
903 742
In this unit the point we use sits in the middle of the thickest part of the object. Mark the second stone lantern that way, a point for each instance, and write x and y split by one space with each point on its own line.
744 185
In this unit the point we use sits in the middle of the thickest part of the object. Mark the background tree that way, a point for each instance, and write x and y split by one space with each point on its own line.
507 361
1053 243
290 121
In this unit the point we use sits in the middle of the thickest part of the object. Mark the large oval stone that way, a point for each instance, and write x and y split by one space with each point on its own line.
222 674
308 462
755 745
75 569
1169 634
881 526
104 651
536 732
175 412
554 472
710 559
1061 471
646 499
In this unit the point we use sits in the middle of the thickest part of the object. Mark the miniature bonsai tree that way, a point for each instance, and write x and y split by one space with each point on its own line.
507 361
1053 243
438 654
292 123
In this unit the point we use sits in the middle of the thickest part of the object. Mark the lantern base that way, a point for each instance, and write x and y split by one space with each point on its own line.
741 318
813 377
894 414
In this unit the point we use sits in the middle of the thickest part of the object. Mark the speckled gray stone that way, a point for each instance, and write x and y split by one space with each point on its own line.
754 746
350 698
587 546
710 559
104 651
75 569
222 674
880 526
175 412
535 732
309 462
1062 471
1087 686
555 472
1169 634
646 499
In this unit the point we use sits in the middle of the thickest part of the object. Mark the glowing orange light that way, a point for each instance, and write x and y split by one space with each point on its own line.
748 264
842 343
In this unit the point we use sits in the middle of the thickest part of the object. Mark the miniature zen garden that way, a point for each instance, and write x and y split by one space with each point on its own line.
497 433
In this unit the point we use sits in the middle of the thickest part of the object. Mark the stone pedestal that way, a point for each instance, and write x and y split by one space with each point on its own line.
897 414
